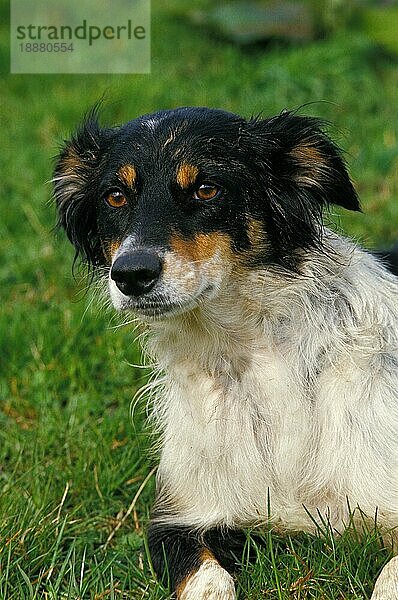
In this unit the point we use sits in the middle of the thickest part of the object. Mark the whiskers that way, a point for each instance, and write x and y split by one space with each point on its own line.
96 291
149 392
120 320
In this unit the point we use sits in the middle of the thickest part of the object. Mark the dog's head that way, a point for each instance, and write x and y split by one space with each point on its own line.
175 202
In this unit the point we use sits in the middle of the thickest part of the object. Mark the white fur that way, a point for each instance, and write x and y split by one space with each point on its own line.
210 582
386 587
281 393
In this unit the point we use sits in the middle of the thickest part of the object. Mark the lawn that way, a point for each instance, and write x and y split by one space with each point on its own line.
73 458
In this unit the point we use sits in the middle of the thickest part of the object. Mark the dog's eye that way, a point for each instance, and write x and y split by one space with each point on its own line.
207 191
116 199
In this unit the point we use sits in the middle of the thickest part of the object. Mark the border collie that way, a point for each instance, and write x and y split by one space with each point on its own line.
276 339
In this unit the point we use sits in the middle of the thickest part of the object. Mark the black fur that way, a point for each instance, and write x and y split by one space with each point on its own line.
176 552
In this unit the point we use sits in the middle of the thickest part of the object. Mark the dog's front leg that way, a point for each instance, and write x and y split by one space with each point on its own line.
186 559
386 587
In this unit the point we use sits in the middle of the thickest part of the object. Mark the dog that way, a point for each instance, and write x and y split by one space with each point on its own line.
277 339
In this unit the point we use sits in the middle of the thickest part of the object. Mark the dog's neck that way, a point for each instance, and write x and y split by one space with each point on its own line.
255 309
219 335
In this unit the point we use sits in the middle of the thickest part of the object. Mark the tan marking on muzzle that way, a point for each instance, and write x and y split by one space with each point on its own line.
201 247
110 248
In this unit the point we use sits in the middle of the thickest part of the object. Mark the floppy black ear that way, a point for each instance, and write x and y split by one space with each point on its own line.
74 187
305 172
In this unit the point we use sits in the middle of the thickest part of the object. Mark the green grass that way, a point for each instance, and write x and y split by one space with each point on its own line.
71 459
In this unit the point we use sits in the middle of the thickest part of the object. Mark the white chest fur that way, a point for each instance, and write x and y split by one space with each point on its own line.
298 410
230 445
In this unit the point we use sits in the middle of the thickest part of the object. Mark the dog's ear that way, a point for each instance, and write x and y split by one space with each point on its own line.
74 186
303 172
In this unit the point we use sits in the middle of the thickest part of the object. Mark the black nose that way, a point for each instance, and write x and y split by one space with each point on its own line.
137 272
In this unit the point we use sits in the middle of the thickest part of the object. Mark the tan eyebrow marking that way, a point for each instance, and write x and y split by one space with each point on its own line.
128 175
186 175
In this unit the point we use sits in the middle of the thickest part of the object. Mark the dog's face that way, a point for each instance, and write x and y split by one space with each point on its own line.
176 202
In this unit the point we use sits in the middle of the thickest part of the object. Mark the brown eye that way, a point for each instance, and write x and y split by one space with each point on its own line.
116 199
207 191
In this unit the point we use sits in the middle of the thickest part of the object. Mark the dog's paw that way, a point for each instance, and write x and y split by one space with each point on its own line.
386 587
210 582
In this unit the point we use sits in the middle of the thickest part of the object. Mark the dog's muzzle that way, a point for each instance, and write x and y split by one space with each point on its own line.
136 273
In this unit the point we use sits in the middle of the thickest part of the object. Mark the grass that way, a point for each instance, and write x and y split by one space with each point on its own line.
71 459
